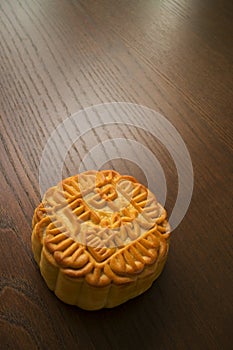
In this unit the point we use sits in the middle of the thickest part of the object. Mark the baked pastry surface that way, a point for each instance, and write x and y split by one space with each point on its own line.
100 239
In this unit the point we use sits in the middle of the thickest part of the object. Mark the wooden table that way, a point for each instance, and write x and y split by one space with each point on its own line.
175 57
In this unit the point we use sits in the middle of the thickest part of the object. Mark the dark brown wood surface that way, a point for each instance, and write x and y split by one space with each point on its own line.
176 57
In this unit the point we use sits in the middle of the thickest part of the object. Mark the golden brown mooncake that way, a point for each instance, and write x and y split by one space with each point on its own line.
100 239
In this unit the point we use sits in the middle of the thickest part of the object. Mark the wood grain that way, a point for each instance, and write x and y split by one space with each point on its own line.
58 57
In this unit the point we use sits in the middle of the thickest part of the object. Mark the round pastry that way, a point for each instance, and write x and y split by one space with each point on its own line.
100 239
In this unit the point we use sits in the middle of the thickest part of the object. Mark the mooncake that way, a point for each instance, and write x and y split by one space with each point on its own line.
99 238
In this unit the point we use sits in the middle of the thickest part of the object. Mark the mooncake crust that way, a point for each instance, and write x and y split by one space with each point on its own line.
100 239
